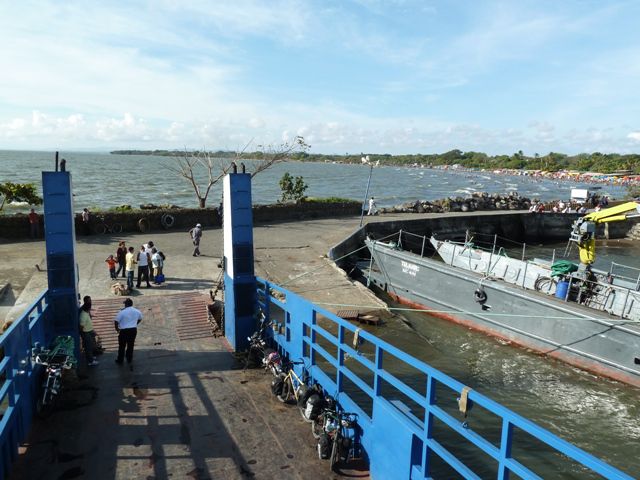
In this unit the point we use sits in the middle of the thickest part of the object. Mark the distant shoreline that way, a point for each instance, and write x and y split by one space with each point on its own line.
596 164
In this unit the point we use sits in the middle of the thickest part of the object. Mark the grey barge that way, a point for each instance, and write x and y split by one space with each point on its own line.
516 300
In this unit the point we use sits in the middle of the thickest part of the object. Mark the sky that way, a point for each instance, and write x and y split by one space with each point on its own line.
370 76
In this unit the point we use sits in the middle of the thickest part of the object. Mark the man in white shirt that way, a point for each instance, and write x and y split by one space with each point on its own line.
126 324
148 247
143 266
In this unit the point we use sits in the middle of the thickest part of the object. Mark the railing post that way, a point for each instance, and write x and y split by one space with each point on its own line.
312 336
340 359
428 425
376 378
524 248
493 251
424 240
505 449
624 305
566 295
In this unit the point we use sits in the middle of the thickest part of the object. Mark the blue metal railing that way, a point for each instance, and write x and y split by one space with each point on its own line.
411 437
17 381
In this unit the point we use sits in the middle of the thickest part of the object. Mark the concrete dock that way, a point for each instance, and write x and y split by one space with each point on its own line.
185 409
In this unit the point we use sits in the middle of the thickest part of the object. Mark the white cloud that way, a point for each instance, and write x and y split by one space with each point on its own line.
634 136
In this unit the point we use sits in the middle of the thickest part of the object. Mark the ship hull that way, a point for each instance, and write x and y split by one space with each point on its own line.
577 335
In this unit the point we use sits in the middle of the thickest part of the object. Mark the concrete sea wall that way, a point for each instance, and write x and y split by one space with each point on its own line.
17 226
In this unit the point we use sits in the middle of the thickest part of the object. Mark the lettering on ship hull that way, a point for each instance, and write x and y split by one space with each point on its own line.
409 268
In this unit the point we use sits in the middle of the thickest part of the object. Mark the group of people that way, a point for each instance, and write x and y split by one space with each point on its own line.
572 207
149 261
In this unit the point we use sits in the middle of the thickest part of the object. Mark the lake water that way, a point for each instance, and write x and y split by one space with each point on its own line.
104 180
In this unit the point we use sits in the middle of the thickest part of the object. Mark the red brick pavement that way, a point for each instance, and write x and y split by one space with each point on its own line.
181 316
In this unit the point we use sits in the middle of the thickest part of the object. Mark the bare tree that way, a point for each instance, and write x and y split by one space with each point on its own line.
203 169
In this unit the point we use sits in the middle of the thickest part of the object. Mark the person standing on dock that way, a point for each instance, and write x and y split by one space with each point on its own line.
86 331
85 221
372 207
121 255
196 235
34 224
144 260
126 324
130 261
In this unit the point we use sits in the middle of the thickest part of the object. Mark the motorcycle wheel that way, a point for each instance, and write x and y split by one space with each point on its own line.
45 404
254 358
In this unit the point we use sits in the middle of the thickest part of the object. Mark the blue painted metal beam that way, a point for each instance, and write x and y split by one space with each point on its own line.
239 279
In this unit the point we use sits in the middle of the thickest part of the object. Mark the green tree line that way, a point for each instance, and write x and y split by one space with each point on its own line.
552 161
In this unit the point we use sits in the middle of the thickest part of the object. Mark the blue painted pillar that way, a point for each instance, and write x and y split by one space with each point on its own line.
60 239
239 278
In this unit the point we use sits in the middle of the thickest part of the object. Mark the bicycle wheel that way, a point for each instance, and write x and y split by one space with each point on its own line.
335 452
100 229
287 390
117 228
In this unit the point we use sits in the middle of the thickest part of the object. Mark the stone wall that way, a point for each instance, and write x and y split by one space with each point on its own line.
17 226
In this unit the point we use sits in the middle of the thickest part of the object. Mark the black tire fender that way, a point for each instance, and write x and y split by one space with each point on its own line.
167 221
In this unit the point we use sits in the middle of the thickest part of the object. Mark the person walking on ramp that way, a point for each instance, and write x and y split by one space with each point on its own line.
196 235
126 323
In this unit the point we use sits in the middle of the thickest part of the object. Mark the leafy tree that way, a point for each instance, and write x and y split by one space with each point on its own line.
19 192
204 169
293 188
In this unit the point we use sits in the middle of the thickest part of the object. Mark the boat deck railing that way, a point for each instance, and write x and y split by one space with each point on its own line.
616 268
494 244
412 418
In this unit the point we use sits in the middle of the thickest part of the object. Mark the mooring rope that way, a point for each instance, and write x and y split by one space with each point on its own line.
484 313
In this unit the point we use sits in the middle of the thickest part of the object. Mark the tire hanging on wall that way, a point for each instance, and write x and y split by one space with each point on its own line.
167 221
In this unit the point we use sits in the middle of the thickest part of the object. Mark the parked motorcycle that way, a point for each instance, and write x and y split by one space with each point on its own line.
259 354
55 361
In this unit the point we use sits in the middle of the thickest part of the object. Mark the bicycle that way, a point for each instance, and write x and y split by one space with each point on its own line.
288 386
55 360
330 428
103 227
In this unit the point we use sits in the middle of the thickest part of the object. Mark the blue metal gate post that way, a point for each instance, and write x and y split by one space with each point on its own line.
239 278
62 273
